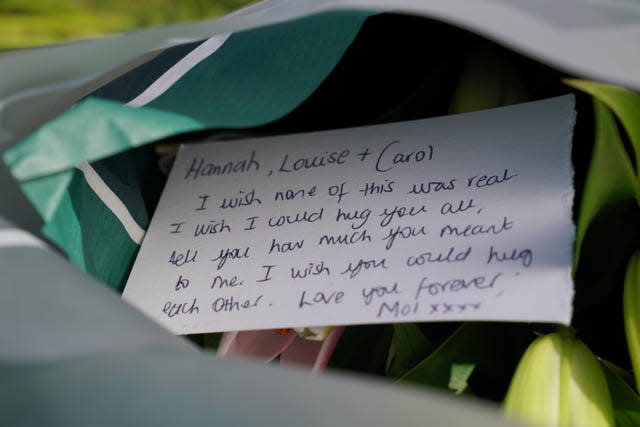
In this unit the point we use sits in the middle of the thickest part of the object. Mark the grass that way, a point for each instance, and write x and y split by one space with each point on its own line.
25 23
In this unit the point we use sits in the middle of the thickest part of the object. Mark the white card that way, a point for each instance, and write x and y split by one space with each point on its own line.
464 217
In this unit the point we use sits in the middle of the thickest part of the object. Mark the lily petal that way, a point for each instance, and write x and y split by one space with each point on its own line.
264 345
312 354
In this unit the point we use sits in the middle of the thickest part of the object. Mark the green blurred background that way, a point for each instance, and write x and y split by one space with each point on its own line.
25 23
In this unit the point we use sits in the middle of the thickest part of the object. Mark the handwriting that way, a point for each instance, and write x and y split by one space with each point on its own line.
370 188
345 239
386 161
247 198
290 194
429 257
213 227
320 298
221 282
199 168
179 259
316 161
399 212
432 186
182 283
230 304
356 215
398 309
476 229
231 253
176 227
299 217
171 309
337 190
379 292
406 232
361 264
480 181
267 273
252 223
313 269
369 226
455 208
523 255
284 247
395 309
203 204
433 288
450 307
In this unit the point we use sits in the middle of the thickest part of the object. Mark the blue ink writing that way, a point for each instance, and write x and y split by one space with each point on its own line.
374 188
524 255
176 227
476 229
317 161
320 298
433 288
182 283
455 208
299 217
284 247
399 212
173 309
267 274
404 233
221 282
432 186
353 269
230 254
338 191
298 194
179 259
199 168
362 216
251 220
439 257
395 309
388 158
480 181
243 199
345 239
313 269
231 304
378 292
204 198
213 227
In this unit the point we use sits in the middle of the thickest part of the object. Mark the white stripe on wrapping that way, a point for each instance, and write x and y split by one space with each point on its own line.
179 69
113 202
14 237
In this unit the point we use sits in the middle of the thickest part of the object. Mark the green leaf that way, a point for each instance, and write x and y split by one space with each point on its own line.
408 347
622 374
631 313
462 347
610 240
363 348
624 103
493 350
460 373
626 404
610 178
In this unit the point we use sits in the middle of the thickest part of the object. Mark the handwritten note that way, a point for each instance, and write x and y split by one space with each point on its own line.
463 217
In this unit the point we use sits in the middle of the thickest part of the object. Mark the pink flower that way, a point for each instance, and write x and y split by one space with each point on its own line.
266 345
